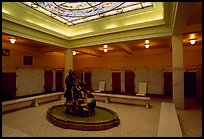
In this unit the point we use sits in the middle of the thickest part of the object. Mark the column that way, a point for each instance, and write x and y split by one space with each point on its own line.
83 77
122 80
54 80
68 62
178 71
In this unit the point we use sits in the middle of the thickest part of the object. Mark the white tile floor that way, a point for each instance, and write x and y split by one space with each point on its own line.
136 121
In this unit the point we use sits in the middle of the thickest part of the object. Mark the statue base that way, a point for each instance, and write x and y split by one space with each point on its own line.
102 119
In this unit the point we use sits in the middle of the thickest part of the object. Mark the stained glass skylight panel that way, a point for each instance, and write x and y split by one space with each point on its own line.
72 13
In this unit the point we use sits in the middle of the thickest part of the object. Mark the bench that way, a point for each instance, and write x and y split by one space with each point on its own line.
168 121
34 100
109 96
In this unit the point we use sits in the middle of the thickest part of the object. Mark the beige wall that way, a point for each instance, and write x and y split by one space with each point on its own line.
151 58
30 78
148 59
192 56
40 60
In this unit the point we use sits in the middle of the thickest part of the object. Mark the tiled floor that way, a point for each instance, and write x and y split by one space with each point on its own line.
136 121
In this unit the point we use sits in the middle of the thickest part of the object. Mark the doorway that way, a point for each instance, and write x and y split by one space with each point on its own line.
59 81
87 79
116 82
190 83
129 81
168 84
48 81
8 86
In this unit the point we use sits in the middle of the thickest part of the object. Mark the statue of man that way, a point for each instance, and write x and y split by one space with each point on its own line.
69 81
79 100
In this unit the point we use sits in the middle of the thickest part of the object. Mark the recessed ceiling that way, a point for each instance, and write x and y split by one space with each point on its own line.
127 46
111 20
72 13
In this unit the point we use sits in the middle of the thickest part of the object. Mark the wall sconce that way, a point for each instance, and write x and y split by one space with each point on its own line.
147 45
105 48
74 53
12 40
192 41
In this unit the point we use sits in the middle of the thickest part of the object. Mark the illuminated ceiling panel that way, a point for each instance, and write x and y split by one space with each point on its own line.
72 13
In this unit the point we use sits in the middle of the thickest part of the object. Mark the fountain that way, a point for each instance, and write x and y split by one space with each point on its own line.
80 111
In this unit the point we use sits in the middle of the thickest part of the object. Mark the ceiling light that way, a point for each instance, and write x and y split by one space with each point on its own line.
12 40
105 48
74 53
147 45
146 41
192 41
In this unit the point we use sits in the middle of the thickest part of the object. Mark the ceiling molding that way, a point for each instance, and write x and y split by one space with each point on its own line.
145 33
25 32
88 51
120 29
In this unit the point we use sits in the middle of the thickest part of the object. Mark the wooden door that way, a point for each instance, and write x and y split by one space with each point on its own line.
87 79
168 84
8 86
48 81
116 82
129 81
190 83
59 81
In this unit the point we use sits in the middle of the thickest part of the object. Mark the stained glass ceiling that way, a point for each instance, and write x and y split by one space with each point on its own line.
72 13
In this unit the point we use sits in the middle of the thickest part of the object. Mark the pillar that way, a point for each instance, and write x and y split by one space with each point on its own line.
68 62
178 71
54 80
122 80
83 77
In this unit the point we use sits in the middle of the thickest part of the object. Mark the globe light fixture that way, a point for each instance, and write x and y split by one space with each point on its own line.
147 45
192 41
12 40
74 53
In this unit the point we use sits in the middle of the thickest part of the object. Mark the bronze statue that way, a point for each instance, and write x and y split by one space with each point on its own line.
79 100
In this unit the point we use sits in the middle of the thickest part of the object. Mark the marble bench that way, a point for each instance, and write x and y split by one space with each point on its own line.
14 104
109 96
168 121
